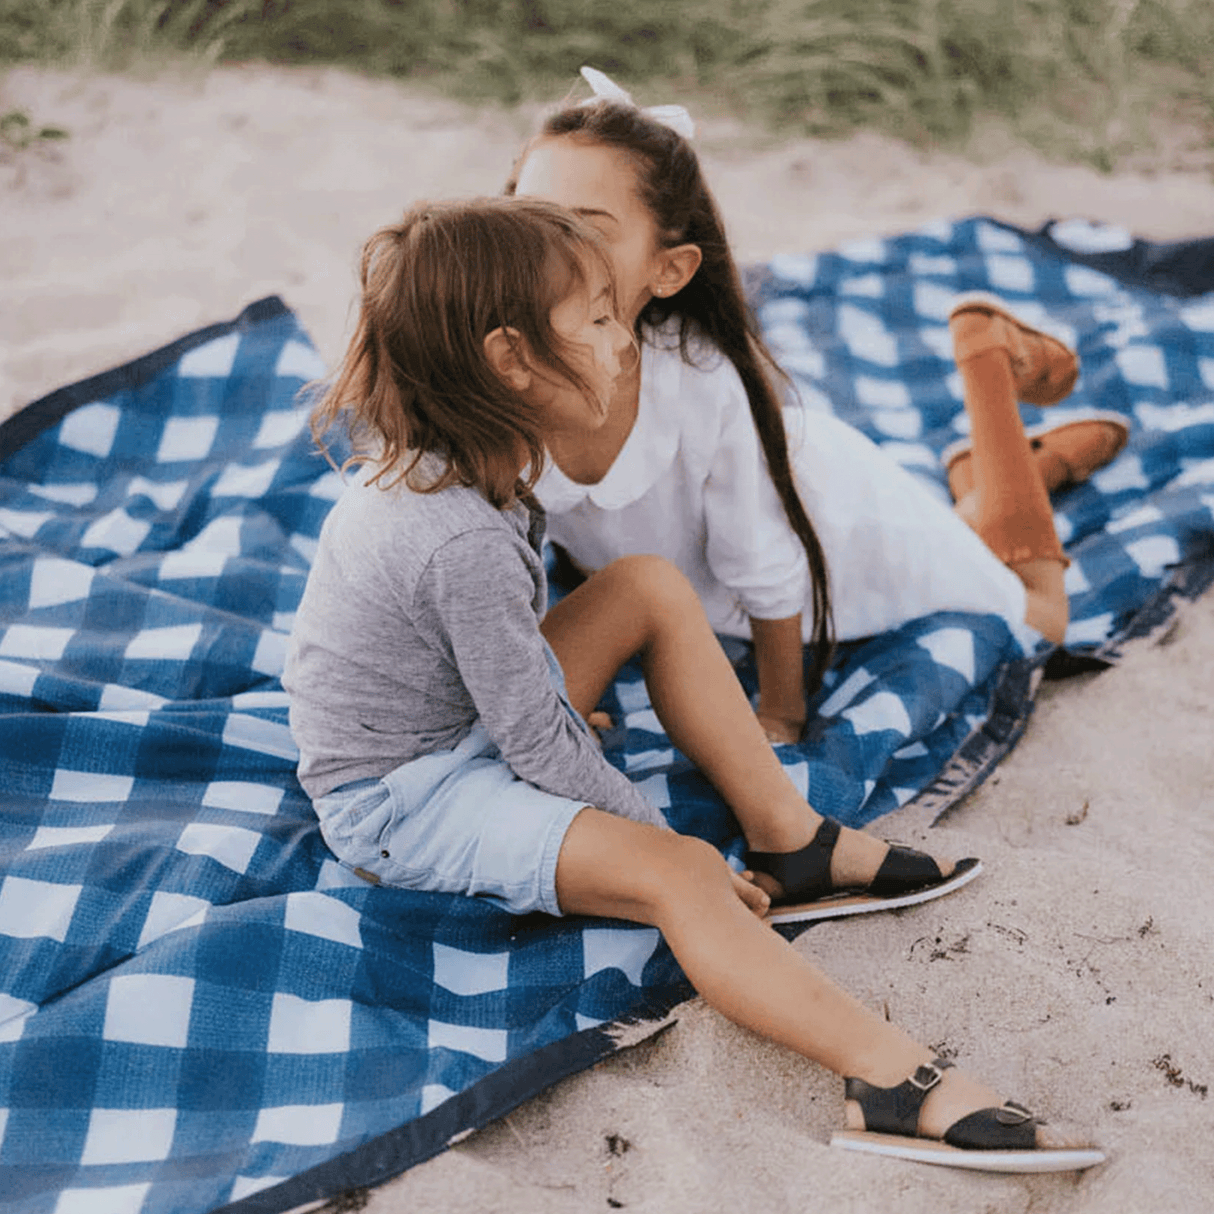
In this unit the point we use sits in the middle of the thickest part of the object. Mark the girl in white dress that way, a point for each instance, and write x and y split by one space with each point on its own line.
793 526
788 535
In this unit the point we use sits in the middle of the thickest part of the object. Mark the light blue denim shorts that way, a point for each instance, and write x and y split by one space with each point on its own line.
455 821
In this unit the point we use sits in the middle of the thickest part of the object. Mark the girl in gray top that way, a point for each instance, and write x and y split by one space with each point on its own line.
441 714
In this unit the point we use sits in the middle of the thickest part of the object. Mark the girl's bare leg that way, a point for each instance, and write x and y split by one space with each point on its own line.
1009 506
643 605
620 869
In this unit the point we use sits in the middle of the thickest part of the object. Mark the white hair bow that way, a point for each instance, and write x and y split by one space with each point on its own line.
673 116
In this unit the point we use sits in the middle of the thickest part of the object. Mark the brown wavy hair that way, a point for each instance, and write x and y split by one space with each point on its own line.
415 380
711 305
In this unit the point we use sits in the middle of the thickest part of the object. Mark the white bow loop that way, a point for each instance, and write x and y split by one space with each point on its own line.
675 117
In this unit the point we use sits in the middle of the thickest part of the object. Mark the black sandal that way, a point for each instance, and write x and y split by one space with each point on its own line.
905 878
997 1140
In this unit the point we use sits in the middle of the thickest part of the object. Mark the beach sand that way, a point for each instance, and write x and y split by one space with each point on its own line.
1077 974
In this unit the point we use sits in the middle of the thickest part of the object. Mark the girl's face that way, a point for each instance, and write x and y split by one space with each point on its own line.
599 184
594 342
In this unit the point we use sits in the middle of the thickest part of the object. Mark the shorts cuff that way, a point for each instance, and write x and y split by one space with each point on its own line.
546 878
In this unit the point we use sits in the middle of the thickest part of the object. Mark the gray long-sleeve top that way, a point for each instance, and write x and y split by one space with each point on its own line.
421 613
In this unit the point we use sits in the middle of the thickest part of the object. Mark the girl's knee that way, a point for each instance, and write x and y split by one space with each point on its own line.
612 867
690 865
671 868
652 581
698 856
646 571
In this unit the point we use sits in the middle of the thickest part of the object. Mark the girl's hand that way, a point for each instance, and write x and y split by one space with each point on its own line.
755 899
781 730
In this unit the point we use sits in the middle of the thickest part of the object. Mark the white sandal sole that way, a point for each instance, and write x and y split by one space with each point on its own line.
926 1150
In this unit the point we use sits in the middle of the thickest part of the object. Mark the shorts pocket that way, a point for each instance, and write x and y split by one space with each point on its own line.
353 825
382 841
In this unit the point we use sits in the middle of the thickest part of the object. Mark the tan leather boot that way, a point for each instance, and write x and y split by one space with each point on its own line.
1066 454
1044 368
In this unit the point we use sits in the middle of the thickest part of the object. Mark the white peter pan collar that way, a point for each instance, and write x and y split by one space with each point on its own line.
651 446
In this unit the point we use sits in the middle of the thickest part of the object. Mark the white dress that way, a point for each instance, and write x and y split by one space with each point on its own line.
691 484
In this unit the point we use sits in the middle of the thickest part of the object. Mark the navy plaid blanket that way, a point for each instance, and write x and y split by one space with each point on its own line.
199 1008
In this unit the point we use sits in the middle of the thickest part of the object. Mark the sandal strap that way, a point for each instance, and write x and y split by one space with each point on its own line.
1010 1128
896 1110
803 875
904 869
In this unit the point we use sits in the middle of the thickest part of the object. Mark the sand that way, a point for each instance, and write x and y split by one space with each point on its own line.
1077 974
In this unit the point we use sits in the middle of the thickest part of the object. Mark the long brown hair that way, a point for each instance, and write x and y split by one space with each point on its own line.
712 304
415 378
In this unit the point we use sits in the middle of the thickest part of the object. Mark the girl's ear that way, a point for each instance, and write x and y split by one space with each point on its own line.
675 269
502 352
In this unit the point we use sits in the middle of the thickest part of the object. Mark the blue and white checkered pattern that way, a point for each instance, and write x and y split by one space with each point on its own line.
198 1006
865 328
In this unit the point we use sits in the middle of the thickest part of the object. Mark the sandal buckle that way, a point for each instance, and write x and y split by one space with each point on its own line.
926 1077
1012 1114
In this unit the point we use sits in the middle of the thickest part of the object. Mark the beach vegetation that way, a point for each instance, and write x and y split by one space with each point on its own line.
1077 78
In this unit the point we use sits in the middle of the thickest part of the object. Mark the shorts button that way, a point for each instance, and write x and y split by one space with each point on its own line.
384 853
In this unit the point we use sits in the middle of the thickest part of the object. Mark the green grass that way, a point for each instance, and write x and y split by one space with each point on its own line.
1078 78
